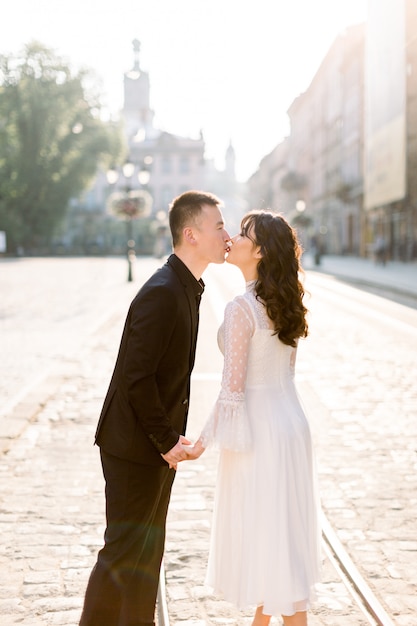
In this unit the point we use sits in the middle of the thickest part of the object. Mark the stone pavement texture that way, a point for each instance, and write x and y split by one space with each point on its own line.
365 393
52 504
47 307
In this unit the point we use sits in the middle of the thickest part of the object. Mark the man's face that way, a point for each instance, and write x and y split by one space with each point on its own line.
211 235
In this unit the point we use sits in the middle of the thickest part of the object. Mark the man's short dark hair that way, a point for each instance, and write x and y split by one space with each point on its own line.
184 210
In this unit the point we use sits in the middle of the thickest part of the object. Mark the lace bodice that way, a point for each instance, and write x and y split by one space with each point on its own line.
253 357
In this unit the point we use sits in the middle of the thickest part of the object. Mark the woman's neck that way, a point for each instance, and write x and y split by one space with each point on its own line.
249 276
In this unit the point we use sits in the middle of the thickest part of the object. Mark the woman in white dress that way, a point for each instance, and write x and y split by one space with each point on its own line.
265 543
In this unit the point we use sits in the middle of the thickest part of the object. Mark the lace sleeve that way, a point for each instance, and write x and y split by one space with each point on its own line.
228 424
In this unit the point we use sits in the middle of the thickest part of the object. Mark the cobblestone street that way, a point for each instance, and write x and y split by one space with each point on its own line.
61 324
48 308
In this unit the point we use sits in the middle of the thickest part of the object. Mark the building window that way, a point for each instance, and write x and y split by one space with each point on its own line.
184 165
166 165
166 196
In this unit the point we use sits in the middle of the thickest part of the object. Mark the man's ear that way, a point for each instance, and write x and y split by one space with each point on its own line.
188 235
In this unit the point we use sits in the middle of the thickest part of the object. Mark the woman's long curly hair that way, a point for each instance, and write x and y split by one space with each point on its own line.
278 285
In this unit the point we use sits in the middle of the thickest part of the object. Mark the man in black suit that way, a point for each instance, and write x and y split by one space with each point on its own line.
143 420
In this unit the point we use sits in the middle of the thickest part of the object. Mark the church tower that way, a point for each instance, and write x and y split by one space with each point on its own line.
137 113
230 162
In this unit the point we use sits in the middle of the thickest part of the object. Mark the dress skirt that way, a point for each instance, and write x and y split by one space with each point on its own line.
265 542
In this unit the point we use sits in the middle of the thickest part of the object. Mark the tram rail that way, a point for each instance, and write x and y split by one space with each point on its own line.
361 593
353 581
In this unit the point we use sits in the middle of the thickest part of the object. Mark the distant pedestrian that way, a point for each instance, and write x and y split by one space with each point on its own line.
316 249
380 249
265 545
143 420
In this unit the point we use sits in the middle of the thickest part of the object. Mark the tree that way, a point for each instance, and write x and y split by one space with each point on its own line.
52 141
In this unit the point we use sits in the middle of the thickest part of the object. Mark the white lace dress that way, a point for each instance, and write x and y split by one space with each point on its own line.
265 542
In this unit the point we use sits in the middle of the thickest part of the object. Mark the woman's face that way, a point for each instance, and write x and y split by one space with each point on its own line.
244 253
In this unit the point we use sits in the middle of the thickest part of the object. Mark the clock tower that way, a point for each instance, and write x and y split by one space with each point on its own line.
137 114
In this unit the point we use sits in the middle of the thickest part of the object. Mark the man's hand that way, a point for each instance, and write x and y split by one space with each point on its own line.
195 451
177 453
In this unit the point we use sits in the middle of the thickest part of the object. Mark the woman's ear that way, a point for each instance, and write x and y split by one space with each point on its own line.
258 253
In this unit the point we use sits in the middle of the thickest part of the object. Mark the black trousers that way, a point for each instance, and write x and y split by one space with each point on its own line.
123 585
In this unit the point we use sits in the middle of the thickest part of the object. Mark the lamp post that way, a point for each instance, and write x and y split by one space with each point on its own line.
300 217
305 221
161 228
301 221
129 210
129 205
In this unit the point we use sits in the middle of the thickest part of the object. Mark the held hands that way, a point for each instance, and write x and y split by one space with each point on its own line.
177 453
195 451
183 450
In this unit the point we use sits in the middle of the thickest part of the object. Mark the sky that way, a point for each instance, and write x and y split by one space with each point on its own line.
229 67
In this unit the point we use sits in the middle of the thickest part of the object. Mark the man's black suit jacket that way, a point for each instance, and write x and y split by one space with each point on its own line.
146 406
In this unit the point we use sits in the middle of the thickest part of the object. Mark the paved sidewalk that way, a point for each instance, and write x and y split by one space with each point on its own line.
397 276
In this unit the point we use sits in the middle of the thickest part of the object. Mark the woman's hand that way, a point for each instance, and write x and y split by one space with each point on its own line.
195 451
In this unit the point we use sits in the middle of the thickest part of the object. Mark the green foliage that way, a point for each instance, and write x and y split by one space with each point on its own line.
52 141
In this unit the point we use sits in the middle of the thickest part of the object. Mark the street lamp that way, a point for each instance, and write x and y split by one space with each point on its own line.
129 209
161 229
144 176
300 205
112 175
129 205
305 221
300 217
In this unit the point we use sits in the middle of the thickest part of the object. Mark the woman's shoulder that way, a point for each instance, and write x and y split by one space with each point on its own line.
252 307
240 306
241 301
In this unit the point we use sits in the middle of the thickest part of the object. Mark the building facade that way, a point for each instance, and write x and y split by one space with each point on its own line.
314 177
410 205
348 168
159 164
264 187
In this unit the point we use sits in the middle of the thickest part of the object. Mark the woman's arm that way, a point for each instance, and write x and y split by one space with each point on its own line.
228 425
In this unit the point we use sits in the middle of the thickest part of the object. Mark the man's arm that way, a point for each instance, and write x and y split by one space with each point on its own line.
153 319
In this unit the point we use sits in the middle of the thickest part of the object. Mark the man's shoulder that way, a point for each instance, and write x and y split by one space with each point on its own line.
163 282
164 277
